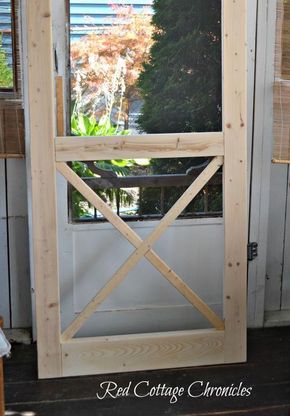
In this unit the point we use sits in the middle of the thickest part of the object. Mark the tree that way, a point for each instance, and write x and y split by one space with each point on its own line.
106 64
181 82
181 85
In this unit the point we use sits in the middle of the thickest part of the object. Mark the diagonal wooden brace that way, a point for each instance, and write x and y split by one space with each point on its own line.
143 248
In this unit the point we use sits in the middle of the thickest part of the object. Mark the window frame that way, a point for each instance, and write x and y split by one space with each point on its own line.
147 217
14 92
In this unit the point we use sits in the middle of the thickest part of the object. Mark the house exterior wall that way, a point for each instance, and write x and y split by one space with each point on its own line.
89 15
15 293
277 270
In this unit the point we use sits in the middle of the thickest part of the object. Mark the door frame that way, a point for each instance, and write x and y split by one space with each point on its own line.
262 137
56 353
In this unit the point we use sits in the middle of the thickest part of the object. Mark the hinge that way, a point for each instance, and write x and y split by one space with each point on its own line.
252 251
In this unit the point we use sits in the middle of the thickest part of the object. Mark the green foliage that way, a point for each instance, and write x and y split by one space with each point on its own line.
181 89
181 83
6 73
82 125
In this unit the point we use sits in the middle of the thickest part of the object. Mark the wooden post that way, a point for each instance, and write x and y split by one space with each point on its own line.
235 178
2 402
41 127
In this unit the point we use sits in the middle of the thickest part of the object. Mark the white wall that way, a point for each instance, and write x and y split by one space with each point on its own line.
15 295
270 219
4 275
285 301
261 157
274 212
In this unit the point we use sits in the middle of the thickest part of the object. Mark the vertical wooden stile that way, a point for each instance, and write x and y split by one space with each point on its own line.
41 125
235 178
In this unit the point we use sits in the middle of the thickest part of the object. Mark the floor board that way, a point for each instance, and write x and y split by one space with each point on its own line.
267 372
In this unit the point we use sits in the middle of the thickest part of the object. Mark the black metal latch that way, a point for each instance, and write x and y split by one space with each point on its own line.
252 251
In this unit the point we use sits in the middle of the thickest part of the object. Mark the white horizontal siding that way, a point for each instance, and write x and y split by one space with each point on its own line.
86 15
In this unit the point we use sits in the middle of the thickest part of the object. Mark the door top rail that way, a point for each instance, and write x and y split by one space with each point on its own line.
71 148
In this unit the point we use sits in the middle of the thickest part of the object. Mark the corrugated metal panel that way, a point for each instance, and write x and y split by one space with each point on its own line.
85 15
5 28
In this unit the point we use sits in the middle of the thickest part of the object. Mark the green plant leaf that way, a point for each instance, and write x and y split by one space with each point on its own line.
121 163
142 162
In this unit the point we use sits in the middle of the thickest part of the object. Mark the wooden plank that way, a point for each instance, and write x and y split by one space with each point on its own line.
134 239
235 178
45 255
282 161
277 318
11 156
142 352
141 146
144 247
270 383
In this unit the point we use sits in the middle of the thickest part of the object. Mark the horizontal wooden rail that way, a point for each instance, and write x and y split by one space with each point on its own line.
100 355
141 146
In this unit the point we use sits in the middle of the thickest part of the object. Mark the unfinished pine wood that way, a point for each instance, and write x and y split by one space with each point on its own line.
235 179
44 236
145 146
59 357
124 353
135 240
270 394
144 247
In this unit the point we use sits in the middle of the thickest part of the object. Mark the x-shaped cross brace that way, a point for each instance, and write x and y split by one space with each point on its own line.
143 248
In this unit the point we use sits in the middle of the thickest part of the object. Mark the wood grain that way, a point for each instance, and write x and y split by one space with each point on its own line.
145 146
142 352
44 217
144 247
135 240
235 179
270 395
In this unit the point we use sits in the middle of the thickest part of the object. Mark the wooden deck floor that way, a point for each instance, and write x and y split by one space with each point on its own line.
267 372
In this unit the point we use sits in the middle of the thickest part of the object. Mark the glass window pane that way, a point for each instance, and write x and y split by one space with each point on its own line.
6 45
151 67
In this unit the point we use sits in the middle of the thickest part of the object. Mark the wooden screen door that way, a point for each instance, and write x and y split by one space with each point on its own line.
60 353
